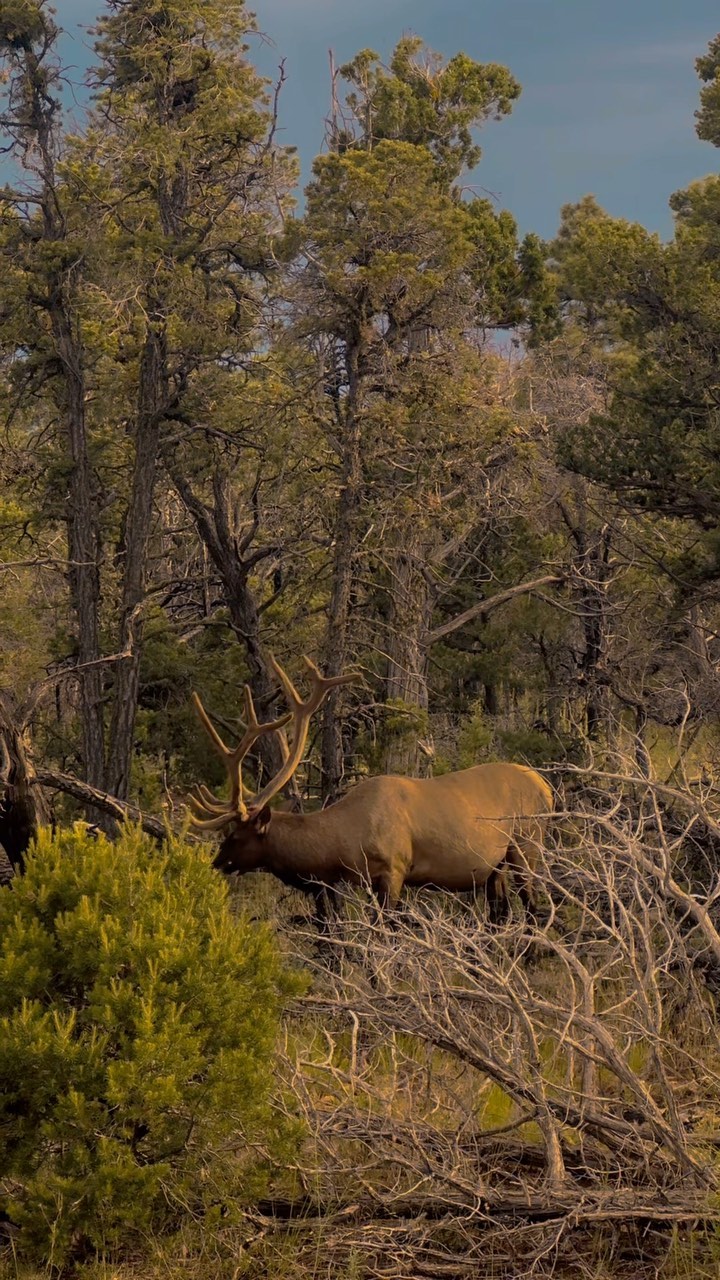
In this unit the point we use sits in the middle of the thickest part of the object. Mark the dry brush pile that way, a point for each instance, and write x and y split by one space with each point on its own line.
524 1098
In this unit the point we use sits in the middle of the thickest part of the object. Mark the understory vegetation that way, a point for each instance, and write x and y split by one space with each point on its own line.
377 426
138 1019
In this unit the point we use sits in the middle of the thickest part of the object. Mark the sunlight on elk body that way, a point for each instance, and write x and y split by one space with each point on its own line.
457 831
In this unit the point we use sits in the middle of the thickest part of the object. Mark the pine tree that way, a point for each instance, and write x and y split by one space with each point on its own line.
400 271
139 252
651 309
137 1028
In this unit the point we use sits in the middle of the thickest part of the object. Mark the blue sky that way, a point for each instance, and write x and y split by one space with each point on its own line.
609 88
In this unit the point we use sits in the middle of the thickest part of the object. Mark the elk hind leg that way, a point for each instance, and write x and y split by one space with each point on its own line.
521 859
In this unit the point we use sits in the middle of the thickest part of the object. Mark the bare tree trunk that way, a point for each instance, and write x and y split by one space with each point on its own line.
99 801
229 548
152 394
337 644
83 547
23 809
246 624
37 145
593 552
406 689
491 699
347 541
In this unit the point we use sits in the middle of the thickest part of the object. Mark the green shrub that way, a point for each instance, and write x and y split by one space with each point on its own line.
475 740
137 1026
529 746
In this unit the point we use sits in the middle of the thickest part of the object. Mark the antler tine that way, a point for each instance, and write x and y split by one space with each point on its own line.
301 714
232 759
204 799
207 813
290 691
250 714
212 824
323 684
253 730
209 727
215 813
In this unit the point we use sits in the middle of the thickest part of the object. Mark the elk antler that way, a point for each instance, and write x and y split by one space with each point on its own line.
209 813
302 713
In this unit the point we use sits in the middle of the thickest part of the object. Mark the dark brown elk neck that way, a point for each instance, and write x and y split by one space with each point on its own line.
304 845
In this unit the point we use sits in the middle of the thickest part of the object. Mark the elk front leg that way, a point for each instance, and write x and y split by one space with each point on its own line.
326 915
326 906
388 888
496 895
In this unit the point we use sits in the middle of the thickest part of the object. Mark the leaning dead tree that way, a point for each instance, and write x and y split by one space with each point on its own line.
512 1091
23 808
25 786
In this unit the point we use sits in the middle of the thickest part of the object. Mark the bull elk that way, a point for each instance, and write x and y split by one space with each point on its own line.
453 832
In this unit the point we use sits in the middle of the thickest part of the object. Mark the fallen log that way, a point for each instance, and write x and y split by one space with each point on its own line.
119 809
577 1204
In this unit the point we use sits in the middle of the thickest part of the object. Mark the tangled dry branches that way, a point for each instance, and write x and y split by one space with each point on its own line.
471 1091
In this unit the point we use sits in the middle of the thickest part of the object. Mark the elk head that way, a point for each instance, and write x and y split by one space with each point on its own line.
246 818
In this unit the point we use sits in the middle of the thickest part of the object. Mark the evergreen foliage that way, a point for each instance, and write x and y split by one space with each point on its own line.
652 310
653 307
389 431
137 1028
428 103
708 116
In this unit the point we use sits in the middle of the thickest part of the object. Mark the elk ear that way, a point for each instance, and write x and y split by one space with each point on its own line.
261 820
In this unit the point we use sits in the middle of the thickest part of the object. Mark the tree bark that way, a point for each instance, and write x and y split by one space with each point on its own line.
99 800
7 870
347 540
39 145
23 810
593 553
406 681
229 550
152 395
83 545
